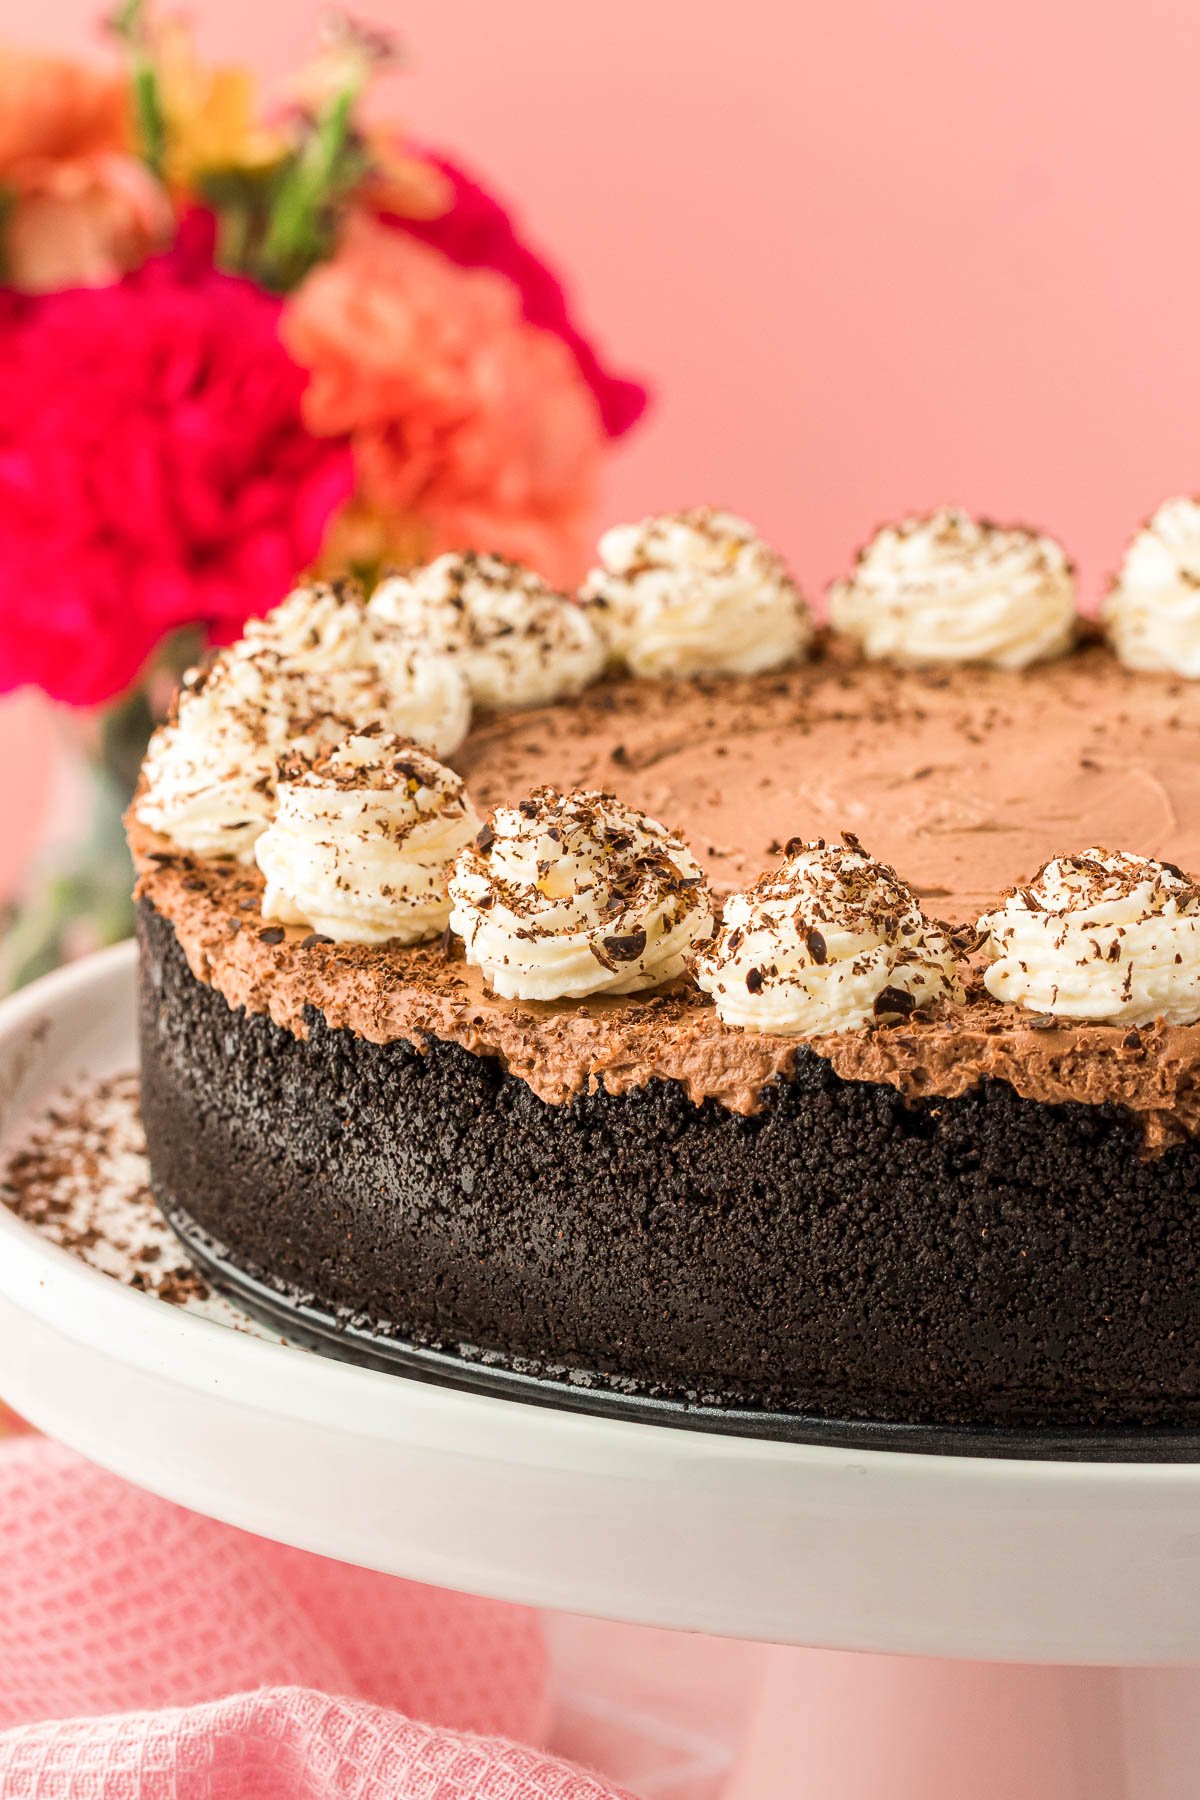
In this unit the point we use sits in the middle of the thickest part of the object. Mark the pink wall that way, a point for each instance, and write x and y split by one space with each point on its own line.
876 255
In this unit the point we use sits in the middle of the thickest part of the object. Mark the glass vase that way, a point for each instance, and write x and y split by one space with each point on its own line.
79 893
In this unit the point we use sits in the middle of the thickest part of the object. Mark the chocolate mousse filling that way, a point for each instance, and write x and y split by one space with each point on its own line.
966 781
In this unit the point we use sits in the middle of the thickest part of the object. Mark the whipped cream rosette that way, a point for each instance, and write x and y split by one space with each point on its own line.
363 839
828 941
297 679
1152 611
572 894
1104 935
363 674
695 593
517 640
208 781
949 588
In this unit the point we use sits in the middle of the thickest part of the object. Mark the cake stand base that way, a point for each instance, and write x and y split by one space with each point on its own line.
830 1726
991 1560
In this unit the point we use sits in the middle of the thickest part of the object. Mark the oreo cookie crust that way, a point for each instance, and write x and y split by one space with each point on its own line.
845 1251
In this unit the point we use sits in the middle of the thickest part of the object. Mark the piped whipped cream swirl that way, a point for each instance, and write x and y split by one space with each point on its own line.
362 843
361 672
1105 935
949 588
829 941
208 781
1152 611
695 593
297 679
518 641
572 894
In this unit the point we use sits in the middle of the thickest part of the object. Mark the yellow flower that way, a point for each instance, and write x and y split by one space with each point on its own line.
211 115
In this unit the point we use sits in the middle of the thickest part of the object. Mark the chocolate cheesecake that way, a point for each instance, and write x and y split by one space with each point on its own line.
954 1209
972 1214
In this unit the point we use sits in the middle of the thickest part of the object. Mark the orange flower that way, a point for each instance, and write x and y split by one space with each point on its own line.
464 419
400 182
80 209
83 223
56 111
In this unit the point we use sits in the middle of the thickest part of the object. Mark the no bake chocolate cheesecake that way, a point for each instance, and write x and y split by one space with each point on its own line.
863 1085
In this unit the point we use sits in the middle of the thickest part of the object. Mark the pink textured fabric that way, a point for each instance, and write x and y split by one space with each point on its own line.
146 1651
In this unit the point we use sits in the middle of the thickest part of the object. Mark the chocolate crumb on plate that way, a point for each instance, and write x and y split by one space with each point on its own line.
78 1174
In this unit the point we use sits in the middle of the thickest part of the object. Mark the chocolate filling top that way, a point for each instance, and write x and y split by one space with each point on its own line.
965 780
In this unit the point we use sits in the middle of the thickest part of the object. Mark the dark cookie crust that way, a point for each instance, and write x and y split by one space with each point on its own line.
982 1260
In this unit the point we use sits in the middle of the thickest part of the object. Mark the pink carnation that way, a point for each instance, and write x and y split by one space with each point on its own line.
154 470
465 418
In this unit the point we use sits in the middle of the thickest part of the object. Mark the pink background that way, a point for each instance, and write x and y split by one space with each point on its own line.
874 256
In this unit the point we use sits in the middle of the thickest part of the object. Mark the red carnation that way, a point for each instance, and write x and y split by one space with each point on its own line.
154 470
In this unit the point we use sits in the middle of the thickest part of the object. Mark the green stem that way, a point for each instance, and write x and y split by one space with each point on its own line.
293 238
148 104
129 24
6 205
233 238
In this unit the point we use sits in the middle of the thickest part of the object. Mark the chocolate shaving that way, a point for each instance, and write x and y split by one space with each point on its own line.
628 948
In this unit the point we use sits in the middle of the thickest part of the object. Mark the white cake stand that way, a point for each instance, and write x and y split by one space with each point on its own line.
1090 1570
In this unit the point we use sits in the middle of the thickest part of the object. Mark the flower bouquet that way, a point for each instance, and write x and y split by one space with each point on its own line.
237 345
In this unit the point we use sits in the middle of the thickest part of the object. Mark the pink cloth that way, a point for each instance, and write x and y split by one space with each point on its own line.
147 1652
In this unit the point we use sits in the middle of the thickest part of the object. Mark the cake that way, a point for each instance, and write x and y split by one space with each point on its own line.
734 1011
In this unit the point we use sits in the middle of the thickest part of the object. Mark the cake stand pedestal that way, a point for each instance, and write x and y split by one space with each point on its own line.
986 1561
831 1726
